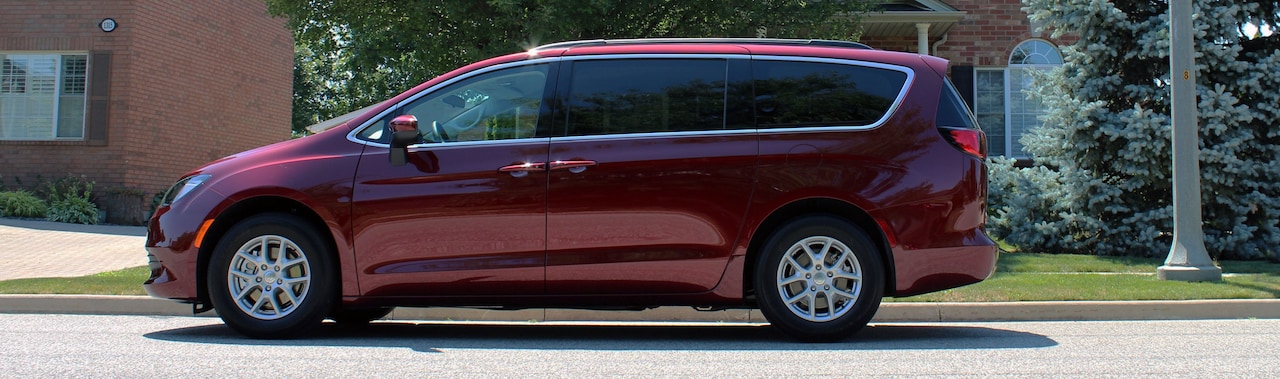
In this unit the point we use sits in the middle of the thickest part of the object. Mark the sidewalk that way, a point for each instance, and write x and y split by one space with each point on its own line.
42 249
30 249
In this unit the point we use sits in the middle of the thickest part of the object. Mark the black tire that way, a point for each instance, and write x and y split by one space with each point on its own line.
302 285
822 309
358 316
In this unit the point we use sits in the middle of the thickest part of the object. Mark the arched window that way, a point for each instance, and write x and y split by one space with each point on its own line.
1035 52
1001 102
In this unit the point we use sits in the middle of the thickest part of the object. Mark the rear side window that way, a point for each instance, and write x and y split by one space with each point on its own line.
646 95
800 94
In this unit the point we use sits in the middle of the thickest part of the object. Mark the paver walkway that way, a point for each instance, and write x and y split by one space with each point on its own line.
37 249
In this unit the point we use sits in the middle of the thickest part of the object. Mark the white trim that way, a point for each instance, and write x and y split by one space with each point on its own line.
1026 42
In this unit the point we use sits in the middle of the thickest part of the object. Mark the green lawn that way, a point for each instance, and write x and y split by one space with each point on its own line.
1019 277
123 282
1033 277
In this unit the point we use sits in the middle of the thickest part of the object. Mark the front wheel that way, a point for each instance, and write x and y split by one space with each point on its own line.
270 277
819 279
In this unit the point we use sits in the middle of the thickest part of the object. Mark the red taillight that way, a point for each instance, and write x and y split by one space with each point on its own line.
972 141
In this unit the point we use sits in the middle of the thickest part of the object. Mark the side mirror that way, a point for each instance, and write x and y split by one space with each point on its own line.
404 130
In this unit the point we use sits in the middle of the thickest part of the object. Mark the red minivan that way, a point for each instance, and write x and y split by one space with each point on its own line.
807 178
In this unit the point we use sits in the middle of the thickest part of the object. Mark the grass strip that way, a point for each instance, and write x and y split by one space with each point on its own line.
121 282
1103 287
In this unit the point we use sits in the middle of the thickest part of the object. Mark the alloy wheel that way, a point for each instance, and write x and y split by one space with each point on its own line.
819 279
269 277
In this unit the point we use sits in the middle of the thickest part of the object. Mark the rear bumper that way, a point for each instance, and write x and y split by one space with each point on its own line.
930 270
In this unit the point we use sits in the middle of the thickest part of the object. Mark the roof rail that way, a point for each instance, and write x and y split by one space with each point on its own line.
741 41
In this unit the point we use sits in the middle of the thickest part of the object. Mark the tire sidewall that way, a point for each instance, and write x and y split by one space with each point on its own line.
312 309
770 300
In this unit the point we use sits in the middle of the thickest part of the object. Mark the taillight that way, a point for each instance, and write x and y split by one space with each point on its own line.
971 141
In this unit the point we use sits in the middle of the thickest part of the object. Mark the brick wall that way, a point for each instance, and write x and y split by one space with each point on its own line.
64 26
989 31
190 82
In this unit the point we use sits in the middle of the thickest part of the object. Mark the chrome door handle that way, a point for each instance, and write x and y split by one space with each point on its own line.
519 170
575 166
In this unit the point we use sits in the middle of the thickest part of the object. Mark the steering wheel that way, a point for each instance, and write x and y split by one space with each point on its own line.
439 131
469 118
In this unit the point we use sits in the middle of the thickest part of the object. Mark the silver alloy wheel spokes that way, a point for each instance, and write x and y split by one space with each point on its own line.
819 279
269 277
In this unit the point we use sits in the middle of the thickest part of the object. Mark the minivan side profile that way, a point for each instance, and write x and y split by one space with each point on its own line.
805 178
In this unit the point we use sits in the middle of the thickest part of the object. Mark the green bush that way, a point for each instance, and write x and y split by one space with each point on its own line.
73 210
21 204
69 201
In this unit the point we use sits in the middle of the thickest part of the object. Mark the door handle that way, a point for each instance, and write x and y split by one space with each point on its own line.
519 170
575 166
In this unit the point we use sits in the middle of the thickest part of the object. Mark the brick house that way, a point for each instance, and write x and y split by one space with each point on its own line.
992 46
133 93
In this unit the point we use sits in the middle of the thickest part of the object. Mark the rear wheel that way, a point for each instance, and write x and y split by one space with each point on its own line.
270 277
819 279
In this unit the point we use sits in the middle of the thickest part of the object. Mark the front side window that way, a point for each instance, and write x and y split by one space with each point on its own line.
646 96
42 96
498 105
802 94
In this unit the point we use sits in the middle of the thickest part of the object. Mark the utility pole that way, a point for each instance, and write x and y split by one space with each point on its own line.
1188 260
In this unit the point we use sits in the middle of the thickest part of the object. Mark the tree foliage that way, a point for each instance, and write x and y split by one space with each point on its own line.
1104 182
352 53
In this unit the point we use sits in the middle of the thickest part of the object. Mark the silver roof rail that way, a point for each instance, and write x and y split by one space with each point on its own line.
740 41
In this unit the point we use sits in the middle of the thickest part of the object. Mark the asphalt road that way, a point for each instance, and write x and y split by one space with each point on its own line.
143 346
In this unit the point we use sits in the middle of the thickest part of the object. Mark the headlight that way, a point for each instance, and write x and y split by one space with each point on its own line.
182 187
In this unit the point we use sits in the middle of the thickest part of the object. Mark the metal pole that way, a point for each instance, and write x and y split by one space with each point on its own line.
1188 260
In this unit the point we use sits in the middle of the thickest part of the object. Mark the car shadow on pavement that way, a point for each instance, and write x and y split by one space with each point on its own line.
438 337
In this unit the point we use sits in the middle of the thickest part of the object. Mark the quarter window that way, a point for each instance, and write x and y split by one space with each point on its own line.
646 95
42 96
798 94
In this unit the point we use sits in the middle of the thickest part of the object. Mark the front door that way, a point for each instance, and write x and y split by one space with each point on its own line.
466 215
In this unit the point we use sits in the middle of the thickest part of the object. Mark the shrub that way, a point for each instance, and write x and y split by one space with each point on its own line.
73 210
21 204
69 201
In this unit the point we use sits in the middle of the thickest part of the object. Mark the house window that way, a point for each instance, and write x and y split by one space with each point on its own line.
42 96
1004 108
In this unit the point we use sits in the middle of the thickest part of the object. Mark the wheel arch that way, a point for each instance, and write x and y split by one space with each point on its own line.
817 206
250 207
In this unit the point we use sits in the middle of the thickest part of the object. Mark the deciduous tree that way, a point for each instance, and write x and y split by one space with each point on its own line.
352 53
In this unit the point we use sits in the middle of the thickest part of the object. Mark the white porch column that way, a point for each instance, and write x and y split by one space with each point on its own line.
922 38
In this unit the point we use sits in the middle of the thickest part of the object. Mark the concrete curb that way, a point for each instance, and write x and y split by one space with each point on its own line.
889 312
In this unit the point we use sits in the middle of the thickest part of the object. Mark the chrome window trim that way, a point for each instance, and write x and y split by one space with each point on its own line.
897 102
455 145
352 136
646 135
